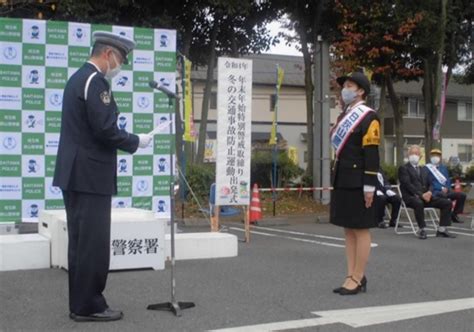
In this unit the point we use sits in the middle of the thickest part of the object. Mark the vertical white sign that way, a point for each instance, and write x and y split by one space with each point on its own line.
234 129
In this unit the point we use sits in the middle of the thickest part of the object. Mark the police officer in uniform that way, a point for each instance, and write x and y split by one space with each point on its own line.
354 178
86 167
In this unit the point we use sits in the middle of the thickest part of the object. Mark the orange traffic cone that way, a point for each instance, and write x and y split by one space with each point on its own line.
255 208
457 186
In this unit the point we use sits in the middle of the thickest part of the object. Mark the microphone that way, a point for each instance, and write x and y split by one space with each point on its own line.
166 91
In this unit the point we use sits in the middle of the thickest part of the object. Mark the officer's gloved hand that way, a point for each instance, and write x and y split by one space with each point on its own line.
145 139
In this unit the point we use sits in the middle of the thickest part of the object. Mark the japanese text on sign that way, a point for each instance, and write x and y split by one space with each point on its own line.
233 131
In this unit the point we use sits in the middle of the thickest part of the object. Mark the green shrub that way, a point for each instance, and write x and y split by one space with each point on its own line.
391 171
307 181
454 171
261 169
469 175
200 178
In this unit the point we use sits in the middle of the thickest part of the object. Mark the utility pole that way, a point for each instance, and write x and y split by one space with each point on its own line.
321 146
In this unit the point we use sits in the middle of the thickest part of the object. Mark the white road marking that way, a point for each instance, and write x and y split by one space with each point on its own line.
461 228
367 316
460 233
454 232
290 238
299 233
373 245
391 313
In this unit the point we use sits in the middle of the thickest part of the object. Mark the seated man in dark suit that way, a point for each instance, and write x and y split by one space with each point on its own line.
416 192
385 195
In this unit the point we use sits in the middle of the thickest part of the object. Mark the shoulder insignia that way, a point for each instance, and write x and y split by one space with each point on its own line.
372 136
105 97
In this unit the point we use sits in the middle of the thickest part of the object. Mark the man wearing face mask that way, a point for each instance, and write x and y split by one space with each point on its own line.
417 193
355 139
441 183
86 167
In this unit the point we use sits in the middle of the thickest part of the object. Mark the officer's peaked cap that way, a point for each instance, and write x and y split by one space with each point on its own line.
124 44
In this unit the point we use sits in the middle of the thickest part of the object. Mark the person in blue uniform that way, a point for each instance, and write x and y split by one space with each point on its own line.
355 138
441 185
385 195
86 167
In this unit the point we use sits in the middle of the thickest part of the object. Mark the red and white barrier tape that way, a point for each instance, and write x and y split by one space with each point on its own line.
296 189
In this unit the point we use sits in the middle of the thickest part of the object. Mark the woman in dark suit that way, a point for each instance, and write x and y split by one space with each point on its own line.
355 138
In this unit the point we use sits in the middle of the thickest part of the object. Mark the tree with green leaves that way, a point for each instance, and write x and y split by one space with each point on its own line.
234 28
442 39
378 38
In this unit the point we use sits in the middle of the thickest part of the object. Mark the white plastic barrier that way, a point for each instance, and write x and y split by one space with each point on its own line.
202 245
24 252
137 238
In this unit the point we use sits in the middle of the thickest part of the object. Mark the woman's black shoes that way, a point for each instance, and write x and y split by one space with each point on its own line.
361 287
338 289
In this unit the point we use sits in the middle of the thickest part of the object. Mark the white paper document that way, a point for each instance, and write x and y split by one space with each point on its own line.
160 127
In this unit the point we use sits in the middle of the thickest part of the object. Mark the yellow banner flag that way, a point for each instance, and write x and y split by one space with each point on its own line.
280 74
293 154
189 133
273 132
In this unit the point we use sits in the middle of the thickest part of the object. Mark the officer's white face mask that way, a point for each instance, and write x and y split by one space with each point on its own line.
414 159
435 160
111 73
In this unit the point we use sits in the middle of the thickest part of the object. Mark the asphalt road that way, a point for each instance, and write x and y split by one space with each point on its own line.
284 274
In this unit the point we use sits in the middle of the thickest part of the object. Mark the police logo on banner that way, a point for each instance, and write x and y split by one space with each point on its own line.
34 31
10 53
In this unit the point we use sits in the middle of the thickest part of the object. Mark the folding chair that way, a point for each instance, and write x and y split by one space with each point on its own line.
431 212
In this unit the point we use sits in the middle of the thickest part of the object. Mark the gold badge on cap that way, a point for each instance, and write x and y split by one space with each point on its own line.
105 97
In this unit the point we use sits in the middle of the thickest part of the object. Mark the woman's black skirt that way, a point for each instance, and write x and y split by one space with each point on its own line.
348 209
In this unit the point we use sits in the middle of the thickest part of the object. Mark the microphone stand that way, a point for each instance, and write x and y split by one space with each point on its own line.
174 306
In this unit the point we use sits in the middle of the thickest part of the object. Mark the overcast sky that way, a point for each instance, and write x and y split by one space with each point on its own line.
281 48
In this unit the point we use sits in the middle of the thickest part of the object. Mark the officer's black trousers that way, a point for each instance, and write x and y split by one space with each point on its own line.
382 202
88 223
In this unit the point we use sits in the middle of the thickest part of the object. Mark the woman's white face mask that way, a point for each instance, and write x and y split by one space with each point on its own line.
348 95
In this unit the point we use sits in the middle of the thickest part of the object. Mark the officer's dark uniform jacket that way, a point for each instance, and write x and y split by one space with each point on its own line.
385 186
358 162
357 165
87 154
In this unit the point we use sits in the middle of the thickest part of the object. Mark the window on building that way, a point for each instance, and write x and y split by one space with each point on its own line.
273 99
305 156
416 108
213 101
421 109
465 152
464 111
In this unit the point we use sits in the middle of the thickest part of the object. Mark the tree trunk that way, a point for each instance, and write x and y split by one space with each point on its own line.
207 94
428 95
434 70
381 114
308 82
397 119
234 47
